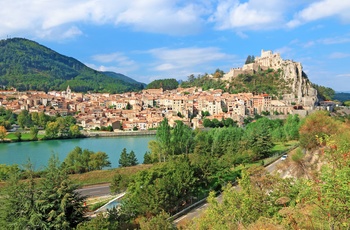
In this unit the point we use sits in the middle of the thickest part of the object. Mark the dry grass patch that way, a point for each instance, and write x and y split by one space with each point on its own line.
105 176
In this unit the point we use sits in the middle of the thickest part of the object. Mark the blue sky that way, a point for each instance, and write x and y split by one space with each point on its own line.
157 39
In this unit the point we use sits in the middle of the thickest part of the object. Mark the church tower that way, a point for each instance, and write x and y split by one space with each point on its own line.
68 93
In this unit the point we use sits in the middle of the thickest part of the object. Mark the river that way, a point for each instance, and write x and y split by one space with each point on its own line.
39 152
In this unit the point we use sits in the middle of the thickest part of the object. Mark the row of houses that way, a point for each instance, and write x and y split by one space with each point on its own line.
145 110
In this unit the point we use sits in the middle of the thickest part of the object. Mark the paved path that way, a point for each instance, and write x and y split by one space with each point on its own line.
95 190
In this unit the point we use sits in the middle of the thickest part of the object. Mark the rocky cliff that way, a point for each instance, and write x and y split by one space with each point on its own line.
300 85
302 92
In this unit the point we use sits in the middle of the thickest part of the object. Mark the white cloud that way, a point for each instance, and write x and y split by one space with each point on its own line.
283 50
322 9
45 18
253 14
117 57
344 75
187 59
117 62
335 40
339 55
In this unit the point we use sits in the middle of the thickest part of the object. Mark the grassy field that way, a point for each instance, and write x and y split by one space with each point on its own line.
24 137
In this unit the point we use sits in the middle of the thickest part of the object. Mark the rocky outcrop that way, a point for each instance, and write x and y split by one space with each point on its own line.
301 91
301 88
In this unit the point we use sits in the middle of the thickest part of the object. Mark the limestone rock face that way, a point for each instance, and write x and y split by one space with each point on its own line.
300 85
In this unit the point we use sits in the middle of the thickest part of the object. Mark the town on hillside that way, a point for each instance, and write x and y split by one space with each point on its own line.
146 109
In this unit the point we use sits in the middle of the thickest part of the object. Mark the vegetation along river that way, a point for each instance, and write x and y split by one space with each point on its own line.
40 151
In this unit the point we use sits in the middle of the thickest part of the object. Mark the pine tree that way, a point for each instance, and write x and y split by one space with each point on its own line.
124 159
60 206
18 209
147 159
132 159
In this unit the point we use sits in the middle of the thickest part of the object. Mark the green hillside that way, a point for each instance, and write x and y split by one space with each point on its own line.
27 65
264 81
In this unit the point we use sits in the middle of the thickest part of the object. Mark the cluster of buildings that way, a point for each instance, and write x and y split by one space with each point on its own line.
145 110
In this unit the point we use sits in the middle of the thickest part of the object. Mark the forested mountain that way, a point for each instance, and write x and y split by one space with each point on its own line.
27 65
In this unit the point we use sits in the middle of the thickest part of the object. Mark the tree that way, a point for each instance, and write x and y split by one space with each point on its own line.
18 135
318 124
61 207
132 159
24 119
34 133
73 163
128 106
3 133
163 138
119 182
74 131
124 159
147 159
291 127
52 130
181 138
207 123
98 161
257 138
158 222
18 208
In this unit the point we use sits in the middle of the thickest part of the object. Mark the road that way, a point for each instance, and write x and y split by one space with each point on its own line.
95 190
199 210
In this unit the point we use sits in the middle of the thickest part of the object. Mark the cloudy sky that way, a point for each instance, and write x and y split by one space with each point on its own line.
157 39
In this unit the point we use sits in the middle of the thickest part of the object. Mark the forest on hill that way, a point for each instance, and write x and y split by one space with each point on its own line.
27 65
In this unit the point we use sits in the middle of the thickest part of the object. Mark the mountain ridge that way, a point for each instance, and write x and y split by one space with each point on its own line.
28 65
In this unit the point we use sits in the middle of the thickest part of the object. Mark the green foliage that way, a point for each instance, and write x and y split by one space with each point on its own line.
34 133
147 159
127 159
132 158
61 206
158 222
324 93
204 81
80 161
343 97
181 138
7 170
26 65
164 187
119 183
163 138
50 204
316 125
166 84
215 123
257 138
250 59
24 119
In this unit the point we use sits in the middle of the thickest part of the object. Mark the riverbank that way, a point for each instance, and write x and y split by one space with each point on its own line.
10 137
118 133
